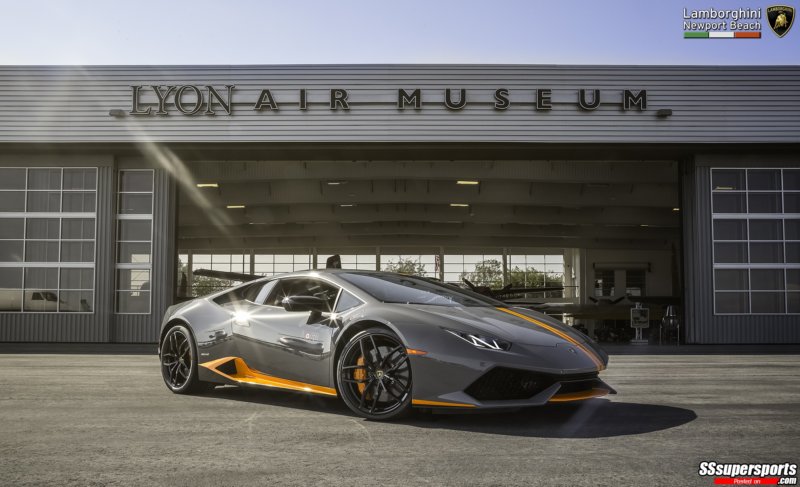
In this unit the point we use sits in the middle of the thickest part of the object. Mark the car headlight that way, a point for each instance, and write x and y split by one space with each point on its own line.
481 341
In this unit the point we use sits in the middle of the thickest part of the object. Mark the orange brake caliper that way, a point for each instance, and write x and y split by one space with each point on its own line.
360 374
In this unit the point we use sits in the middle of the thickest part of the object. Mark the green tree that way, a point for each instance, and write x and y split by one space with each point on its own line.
486 273
408 267
529 277
202 285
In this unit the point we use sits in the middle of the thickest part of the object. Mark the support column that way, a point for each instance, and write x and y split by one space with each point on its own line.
189 273
505 266
441 264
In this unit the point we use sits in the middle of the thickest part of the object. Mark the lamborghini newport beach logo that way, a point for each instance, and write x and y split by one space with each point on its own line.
780 19
736 23
210 100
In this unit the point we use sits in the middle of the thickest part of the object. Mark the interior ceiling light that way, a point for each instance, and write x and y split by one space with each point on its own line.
459 205
467 182
207 185
676 209
234 207
347 205
644 225
336 183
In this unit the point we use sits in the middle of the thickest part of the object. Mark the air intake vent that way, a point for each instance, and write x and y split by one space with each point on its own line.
577 386
501 384
504 384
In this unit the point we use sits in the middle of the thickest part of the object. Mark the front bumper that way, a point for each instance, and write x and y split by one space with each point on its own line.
490 379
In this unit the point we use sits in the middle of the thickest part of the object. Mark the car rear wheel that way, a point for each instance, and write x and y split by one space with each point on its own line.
178 362
374 375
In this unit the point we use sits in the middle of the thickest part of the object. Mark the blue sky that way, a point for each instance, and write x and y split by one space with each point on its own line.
358 31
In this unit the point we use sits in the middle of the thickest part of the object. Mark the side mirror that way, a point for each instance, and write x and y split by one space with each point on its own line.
305 303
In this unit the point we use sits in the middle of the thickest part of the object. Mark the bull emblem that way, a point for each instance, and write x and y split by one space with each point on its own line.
780 19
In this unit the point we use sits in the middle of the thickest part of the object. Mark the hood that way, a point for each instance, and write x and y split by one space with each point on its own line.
497 323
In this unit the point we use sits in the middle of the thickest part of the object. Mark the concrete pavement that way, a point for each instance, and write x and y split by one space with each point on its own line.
109 420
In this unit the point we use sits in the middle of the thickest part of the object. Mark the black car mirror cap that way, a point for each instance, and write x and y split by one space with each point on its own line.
305 303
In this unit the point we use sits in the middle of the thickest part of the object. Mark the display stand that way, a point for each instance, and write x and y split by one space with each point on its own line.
640 318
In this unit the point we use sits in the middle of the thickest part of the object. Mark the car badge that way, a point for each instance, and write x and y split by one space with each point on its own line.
780 19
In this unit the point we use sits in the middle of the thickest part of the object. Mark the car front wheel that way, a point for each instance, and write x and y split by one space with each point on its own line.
374 375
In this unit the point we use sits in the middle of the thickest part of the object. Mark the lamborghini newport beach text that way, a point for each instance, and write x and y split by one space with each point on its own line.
382 342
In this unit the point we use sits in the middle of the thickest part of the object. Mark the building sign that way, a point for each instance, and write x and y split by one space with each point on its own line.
210 100
730 23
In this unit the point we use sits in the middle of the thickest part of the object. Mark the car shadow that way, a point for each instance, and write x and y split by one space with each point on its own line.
592 418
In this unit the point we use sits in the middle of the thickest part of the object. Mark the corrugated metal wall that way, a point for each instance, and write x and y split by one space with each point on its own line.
710 104
104 325
702 325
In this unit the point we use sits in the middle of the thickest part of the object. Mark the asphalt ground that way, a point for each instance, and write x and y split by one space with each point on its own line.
109 420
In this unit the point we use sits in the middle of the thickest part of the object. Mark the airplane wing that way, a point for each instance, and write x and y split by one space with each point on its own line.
233 276
657 300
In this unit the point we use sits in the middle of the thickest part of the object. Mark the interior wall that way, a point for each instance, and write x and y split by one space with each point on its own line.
658 279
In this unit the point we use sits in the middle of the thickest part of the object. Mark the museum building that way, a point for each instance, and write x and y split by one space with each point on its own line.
126 189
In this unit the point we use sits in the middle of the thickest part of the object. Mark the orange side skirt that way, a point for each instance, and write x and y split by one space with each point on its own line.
423 402
246 375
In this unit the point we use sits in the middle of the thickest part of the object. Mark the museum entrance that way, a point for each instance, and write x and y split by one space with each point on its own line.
578 239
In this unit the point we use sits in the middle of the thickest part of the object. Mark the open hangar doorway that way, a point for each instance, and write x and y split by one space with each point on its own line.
583 238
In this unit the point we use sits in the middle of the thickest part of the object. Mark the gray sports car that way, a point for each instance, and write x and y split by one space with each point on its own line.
382 342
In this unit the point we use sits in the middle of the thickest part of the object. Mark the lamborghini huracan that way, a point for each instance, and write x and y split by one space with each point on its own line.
382 342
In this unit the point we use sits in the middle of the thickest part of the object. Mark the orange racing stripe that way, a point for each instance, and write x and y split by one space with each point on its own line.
590 354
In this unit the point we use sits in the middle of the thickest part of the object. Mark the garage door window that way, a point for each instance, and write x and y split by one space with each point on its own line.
756 240
47 239
134 241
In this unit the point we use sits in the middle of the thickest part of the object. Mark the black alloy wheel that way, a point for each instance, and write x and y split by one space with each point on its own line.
178 364
375 375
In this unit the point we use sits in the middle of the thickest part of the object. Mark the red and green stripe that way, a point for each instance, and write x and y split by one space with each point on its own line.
744 34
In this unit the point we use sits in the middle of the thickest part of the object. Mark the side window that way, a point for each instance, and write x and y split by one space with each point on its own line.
275 297
250 293
347 301
302 286
263 292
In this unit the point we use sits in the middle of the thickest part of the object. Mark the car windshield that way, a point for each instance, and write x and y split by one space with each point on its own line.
396 288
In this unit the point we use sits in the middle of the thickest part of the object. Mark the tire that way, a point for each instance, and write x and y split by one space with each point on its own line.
374 375
178 357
